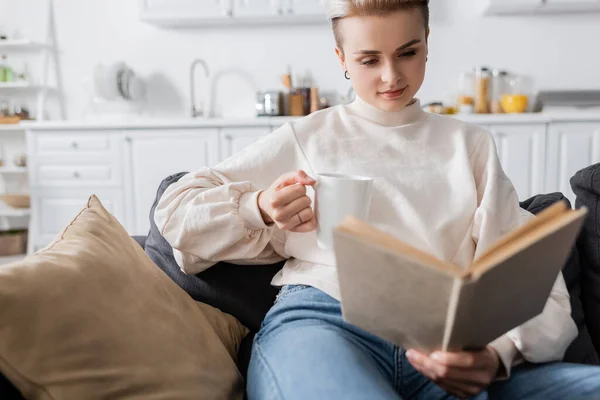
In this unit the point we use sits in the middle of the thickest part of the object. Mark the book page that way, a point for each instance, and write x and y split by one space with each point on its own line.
374 236
392 296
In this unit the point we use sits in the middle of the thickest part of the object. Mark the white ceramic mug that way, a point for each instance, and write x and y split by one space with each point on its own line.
338 196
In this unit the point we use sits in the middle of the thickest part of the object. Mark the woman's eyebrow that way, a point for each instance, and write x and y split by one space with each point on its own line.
375 52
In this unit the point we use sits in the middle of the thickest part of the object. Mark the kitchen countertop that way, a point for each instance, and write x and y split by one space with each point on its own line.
185 123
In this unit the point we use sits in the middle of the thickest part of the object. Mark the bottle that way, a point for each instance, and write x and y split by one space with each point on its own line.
7 72
466 93
24 75
2 68
499 89
482 90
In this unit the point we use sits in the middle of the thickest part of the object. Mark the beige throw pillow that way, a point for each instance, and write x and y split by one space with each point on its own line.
91 317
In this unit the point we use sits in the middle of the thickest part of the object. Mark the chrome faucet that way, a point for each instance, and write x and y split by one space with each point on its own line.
195 111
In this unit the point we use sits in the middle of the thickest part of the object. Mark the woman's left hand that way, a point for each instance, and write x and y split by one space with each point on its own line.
463 375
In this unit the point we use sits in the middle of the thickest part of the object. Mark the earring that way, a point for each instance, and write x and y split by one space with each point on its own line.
346 75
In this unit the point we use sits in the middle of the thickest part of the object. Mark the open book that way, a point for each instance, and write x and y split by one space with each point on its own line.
417 301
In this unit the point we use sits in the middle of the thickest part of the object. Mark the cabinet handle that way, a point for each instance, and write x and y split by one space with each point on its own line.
75 145
76 175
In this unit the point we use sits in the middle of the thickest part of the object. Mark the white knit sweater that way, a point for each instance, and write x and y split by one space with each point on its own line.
439 186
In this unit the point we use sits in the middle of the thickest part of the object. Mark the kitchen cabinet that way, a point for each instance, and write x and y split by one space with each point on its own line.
306 7
234 13
152 156
233 140
571 147
53 208
257 8
124 164
186 8
522 151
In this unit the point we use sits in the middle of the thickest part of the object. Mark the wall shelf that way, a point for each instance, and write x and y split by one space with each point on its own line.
13 170
24 86
11 128
21 45
6 211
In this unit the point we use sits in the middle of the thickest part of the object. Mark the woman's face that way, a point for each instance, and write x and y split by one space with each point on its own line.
385 57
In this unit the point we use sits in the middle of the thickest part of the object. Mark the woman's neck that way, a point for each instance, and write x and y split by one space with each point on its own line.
408 115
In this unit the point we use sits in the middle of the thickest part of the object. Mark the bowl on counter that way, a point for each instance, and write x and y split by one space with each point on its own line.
16 200
514 103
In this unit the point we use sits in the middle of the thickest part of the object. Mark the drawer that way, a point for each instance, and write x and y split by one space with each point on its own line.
48 174
74 144
76 147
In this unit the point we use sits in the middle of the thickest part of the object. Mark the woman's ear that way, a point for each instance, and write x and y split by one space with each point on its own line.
341 57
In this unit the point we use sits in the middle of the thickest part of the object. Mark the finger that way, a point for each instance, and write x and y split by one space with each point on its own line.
298 219
295 177
289 211
459 375
460 359
306 227
465 390
416 360
287 194
425 364
454 380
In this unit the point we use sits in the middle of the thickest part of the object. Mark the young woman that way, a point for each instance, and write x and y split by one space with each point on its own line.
255 208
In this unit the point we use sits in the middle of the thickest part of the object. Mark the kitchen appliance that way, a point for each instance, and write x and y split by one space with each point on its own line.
269 103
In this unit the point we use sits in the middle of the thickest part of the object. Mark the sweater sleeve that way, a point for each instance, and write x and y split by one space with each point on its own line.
212 215
546 337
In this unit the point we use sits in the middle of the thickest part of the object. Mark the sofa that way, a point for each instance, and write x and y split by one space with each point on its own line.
245 292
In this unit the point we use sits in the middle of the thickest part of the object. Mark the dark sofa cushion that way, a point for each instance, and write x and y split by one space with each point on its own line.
586 186
242 291
582 350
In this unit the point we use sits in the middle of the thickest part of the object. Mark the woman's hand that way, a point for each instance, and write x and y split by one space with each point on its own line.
286 204
463 374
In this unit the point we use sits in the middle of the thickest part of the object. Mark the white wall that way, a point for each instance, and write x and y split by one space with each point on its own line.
561 52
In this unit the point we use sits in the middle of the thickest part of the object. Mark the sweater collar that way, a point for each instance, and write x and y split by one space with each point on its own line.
408 115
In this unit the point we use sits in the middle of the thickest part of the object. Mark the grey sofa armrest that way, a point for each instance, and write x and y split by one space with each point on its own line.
141 240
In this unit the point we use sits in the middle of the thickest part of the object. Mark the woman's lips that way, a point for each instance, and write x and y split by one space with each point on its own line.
393 94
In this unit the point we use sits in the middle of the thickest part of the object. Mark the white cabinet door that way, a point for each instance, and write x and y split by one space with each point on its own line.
306 7
522 150
53 209
236 139
571 147
185 8
151 157
257 8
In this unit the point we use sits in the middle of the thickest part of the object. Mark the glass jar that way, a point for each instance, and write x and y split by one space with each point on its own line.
482 90
516 99
466 93
500 83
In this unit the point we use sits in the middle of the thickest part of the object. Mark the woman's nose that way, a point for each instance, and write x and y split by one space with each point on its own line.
391 74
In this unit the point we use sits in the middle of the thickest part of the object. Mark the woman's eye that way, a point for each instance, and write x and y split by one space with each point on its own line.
408 54
368 62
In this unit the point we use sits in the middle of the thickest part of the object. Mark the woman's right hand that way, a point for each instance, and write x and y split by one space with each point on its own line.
286 204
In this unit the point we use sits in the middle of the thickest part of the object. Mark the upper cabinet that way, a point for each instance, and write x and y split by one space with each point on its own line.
306 7
524 7
159 10
206 13
257 8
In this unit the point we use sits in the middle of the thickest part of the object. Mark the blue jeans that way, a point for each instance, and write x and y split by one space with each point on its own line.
306 351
